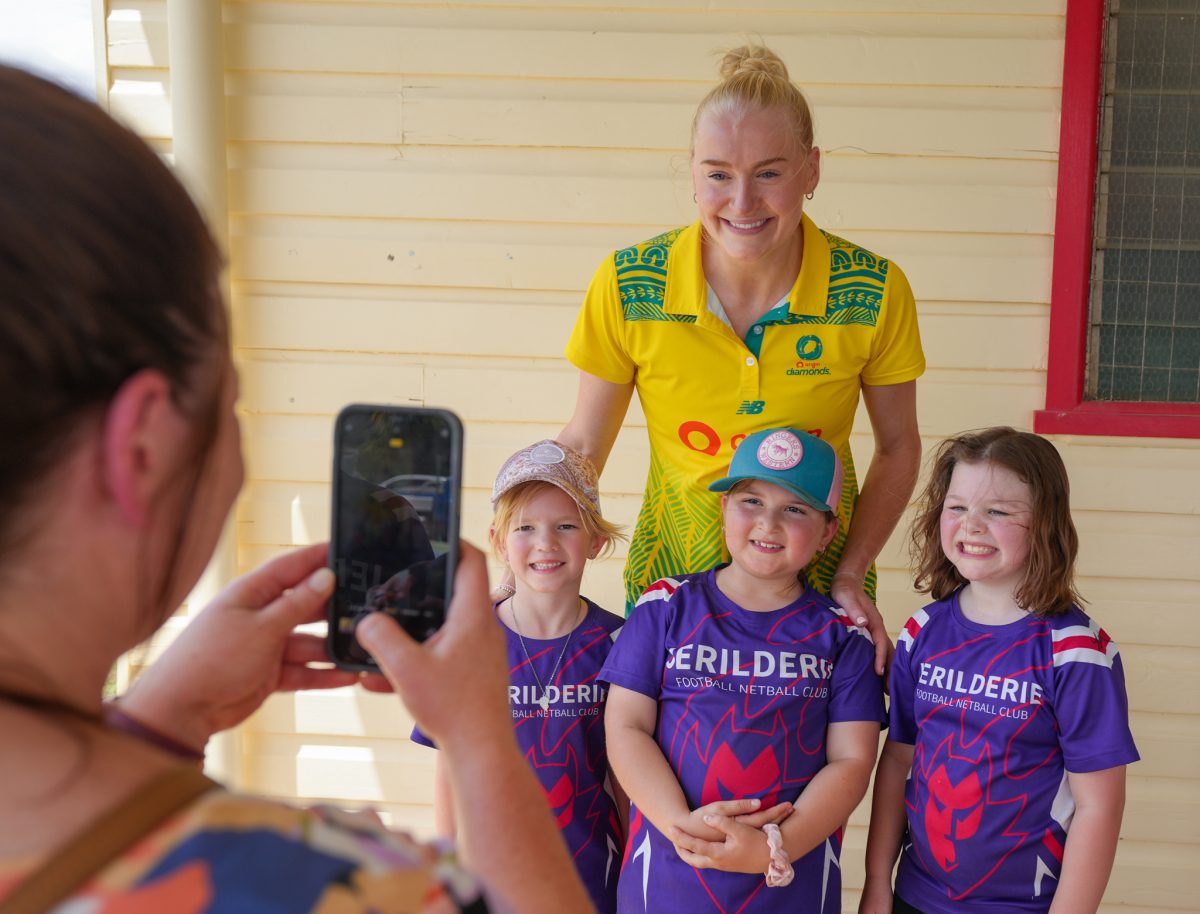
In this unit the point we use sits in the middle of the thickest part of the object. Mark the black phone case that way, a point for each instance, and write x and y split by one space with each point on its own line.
332 647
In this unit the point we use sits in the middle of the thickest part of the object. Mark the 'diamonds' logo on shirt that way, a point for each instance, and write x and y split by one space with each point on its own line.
808 357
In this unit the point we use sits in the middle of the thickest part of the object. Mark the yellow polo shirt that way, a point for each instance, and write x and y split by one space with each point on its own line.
849 320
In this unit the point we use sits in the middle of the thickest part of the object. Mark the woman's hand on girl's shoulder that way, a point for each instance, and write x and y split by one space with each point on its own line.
847 591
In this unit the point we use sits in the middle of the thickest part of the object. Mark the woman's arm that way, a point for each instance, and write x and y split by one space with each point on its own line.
600 408
1092 840
443 800
888 823
886 489
455 685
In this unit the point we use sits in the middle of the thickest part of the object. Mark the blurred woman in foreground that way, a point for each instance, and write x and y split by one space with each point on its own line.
119 461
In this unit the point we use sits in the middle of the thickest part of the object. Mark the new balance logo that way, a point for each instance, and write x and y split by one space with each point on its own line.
751 407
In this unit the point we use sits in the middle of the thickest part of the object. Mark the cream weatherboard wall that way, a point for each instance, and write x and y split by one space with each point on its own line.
419 193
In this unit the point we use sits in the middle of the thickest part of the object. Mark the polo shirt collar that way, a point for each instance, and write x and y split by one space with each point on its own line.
812 285
686 290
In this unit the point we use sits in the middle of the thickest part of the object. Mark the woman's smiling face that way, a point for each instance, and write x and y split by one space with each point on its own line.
750 178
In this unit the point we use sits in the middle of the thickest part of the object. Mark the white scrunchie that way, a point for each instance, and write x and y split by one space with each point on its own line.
779 871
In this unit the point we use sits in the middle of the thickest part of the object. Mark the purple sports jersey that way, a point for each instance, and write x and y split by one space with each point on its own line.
744 699
997 715
564 743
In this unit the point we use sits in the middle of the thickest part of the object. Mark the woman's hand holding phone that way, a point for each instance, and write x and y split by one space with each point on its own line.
456 687
397 478
241 649
455 684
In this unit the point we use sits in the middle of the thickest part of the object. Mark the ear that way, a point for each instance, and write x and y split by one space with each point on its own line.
598 542
831 529
141 433
497 542
813 178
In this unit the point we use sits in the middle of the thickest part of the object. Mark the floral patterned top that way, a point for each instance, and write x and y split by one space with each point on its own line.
228 853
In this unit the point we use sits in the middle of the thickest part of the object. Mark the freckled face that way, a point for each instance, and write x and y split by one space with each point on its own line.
750 180
985 524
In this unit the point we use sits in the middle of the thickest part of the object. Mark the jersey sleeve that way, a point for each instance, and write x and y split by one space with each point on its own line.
896 354
639 656
1090 705
597 344
856 692
902 685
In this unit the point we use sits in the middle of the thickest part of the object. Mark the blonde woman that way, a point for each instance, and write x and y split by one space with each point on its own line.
751 317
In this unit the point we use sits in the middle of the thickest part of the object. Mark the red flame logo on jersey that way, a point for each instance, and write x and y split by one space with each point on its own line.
728 779
952 813
561 798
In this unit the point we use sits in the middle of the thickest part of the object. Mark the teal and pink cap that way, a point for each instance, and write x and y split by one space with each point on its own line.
802 463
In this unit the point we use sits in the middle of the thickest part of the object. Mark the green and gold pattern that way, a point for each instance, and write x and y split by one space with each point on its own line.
679 525
642 279
679 532
821 570
856 283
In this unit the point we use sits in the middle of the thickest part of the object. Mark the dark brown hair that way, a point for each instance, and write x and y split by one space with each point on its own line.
106 269
1048 588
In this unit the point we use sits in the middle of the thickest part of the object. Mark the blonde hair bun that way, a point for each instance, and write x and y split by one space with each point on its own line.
752 58
753 77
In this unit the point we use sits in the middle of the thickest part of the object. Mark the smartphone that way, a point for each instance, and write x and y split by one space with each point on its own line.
397 481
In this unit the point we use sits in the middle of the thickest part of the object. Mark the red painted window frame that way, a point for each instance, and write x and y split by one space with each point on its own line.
1067 412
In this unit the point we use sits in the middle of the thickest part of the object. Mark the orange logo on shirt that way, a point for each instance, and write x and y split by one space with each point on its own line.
702 437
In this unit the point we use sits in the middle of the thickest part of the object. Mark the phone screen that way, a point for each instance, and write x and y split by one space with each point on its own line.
396 482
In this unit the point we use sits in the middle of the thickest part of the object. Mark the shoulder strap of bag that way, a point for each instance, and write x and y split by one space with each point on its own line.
66 870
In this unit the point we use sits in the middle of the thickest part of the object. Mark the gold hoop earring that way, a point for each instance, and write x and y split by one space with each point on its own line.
809 195
694 198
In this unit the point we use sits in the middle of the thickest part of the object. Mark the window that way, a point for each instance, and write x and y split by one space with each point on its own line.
1125 303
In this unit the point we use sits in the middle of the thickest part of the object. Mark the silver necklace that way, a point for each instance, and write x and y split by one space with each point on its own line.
544 701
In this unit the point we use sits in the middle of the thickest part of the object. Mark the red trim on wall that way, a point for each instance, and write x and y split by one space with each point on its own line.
1066 411
1119 418
1076 203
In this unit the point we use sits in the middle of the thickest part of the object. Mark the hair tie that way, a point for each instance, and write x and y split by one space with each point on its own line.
779 870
